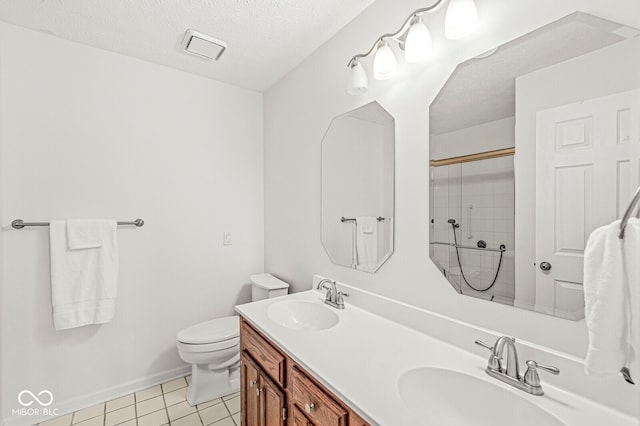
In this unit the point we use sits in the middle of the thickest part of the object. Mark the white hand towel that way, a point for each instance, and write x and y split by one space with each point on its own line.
631 249
84 233
367 242
368 225
83 281
606 302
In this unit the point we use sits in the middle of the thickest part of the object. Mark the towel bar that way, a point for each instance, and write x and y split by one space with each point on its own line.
19 223
629 212
350 219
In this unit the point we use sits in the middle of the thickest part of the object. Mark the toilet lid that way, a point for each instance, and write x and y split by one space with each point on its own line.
213 331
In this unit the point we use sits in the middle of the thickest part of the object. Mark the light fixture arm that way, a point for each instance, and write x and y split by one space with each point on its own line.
396 36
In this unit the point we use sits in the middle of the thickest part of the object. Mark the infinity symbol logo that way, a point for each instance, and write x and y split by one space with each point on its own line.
35 398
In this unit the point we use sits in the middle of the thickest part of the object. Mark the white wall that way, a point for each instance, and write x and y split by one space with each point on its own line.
490 136
298 110
606 71
2 282
89 133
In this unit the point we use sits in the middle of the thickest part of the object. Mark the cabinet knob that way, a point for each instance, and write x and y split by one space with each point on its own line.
258 390
251 383
309 407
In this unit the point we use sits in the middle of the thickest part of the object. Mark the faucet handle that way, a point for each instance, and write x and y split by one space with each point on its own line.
531 376
547 368
484 345
340 297
495 361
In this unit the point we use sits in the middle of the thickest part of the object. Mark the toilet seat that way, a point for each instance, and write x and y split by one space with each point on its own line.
209 347
210 336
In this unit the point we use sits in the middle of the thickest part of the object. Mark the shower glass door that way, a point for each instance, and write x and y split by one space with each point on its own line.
472 226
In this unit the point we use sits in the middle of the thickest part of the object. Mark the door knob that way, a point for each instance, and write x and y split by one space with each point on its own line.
545 266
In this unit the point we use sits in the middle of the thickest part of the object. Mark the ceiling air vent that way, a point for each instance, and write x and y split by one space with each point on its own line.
202 45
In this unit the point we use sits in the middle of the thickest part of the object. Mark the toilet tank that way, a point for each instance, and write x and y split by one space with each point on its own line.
265 286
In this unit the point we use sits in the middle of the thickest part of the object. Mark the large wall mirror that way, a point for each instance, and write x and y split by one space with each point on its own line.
358 188
532 146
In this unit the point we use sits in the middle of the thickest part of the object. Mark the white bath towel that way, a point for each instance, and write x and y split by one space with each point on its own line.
83 281
631 249
606 302
367 242
84 233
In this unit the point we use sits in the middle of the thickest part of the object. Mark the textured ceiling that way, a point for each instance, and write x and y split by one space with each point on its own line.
267 38
483 90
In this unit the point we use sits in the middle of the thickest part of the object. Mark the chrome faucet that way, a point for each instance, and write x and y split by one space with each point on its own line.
334 297
510 373
512 369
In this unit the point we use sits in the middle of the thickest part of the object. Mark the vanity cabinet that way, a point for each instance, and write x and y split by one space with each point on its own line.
263 400
276 391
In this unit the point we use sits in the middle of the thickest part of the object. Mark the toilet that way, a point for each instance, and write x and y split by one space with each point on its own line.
213 347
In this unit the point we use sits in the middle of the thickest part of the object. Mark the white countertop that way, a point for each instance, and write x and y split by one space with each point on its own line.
361 358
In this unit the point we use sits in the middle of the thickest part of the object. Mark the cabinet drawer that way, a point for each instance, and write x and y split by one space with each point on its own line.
319 407
298 418
269 359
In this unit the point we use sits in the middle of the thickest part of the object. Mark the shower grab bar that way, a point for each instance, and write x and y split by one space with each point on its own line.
19 223
629 212
352 219
499 250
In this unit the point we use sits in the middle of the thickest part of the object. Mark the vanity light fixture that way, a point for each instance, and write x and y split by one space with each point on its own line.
461 19
358 80
384 63
414 38
418 45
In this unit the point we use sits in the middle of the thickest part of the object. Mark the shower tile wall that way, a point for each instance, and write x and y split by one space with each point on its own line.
479 195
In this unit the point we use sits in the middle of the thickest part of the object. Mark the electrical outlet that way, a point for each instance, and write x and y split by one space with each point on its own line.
226 239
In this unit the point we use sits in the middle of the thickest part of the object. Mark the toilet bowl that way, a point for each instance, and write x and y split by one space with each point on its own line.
213 347
213 350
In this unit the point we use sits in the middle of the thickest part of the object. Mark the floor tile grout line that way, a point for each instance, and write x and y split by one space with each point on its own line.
199 416
164 401
135 406
228 411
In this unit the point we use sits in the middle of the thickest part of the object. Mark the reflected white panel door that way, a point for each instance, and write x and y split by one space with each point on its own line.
587 166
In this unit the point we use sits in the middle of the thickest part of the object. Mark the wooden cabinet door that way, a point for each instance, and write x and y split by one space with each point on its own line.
249 392
299 419
272 402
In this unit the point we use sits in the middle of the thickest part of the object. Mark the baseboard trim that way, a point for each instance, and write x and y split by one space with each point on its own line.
75 404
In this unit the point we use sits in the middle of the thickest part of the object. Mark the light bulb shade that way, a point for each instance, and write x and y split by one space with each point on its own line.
418 45
461 19
384 63
358 80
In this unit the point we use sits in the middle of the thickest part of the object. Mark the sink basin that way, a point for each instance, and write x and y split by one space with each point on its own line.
302 315
437 396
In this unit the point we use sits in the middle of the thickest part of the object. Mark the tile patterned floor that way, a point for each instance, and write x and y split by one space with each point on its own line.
164 404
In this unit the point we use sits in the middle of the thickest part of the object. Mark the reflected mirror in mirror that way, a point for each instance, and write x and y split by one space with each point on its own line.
358 188
512 207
